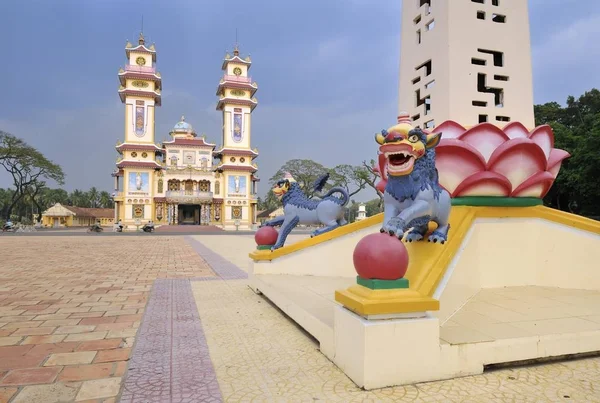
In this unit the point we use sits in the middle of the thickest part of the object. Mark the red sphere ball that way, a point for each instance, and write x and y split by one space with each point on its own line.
266 236
380 256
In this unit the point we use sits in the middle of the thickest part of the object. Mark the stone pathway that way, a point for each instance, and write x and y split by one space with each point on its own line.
70 309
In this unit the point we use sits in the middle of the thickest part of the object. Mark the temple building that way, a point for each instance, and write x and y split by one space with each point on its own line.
186 179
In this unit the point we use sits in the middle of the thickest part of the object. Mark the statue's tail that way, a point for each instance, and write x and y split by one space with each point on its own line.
344 199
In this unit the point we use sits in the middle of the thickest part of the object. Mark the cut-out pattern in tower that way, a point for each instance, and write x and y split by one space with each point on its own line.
467 61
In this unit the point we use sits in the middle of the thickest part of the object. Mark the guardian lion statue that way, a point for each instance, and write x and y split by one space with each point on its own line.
329 210
412 195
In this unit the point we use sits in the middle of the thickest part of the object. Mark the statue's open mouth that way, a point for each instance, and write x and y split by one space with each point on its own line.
400 163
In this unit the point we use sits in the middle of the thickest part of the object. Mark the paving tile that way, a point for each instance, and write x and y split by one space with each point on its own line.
21 325
61 322
74 329
121 312
6 394
83 357
98 321
119 354
85 372
52 316
55 338
56 392
86 336
119 368
44 350
10 340
35 331
129 318
14 351
106 344
30 376
115 326
16 362
99 388
86 315
121 333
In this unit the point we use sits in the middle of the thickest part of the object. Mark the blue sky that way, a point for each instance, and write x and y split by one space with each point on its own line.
327 72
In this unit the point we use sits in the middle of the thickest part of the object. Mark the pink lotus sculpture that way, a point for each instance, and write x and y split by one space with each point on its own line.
488 161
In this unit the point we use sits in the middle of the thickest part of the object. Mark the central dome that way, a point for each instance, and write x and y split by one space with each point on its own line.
183 127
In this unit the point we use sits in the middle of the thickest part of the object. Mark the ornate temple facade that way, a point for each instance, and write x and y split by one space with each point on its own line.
186 179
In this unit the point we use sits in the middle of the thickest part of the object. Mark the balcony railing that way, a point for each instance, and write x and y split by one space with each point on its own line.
140 69
188 194
237 79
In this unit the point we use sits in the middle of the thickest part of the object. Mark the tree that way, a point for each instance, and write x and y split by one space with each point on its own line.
269 202
305 172
351 178
371 178
93 197
105 200
576 130
28 167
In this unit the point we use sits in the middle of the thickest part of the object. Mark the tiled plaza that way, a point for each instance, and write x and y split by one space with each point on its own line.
170 318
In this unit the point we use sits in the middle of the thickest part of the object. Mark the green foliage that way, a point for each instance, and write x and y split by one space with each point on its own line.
48 197
577 130
29 169
372 207
306 172
269 202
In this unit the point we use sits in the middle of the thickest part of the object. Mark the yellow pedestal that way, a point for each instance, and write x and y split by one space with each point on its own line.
367 302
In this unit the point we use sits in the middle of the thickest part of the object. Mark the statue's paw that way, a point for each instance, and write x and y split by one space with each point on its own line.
394 227
413 236
436 237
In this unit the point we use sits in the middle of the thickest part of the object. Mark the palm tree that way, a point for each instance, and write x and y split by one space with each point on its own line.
106 200
77 198
93 197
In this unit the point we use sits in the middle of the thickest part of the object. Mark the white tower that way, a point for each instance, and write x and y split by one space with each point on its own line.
467 61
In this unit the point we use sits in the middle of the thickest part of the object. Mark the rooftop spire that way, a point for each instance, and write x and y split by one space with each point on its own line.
141 40
236 48
182 118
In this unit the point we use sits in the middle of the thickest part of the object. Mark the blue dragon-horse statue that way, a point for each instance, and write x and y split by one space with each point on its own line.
329 210
412 194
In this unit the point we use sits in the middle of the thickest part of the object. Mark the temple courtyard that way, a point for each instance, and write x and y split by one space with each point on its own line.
170 318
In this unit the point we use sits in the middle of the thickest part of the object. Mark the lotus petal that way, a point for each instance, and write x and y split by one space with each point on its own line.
515 130
456 161
450 129
485 137
543 137
536 186
484 184
555 161
518 160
